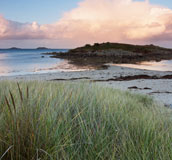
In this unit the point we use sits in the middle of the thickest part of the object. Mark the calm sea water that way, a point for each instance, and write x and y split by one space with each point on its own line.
27 61
30 61
165 65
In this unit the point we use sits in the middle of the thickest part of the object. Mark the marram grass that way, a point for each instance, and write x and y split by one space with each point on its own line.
65 121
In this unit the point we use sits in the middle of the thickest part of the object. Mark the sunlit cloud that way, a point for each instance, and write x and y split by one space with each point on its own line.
15 30
99 21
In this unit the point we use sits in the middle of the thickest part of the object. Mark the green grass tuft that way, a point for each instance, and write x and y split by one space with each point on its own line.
49 120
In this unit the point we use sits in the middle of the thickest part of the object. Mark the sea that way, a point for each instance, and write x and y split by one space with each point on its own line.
14 62
27 61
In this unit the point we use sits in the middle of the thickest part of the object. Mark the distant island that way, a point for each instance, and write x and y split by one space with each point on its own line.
99 54
14 48
42 48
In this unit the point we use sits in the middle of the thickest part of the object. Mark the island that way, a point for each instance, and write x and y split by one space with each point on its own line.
14 48
100 54
42 48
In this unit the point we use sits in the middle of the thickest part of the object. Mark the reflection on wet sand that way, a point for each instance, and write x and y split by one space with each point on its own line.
4 68
152 65
66 66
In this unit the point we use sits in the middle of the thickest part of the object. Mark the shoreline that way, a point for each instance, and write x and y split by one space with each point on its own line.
157 84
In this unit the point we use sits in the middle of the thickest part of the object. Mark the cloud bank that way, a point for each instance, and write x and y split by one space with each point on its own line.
99 21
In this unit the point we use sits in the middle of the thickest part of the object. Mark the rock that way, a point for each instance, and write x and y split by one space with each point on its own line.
168 106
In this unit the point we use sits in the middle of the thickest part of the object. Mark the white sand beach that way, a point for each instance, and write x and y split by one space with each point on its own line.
157 84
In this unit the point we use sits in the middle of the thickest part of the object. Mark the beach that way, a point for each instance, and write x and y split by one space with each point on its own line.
157 84
86 80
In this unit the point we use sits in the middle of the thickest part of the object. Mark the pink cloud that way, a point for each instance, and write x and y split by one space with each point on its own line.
15 30
99 21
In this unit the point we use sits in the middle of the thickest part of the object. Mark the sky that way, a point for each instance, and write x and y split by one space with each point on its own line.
69 24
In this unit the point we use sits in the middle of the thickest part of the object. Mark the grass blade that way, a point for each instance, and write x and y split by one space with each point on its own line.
7 102
13 102
6 152
27 92
20 92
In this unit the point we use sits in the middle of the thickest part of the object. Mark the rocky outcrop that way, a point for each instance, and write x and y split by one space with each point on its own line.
99 54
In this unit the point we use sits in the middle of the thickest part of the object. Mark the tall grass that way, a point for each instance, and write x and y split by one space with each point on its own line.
49 121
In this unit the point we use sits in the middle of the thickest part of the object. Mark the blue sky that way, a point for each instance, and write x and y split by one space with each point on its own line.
42 11
167 3
45 11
